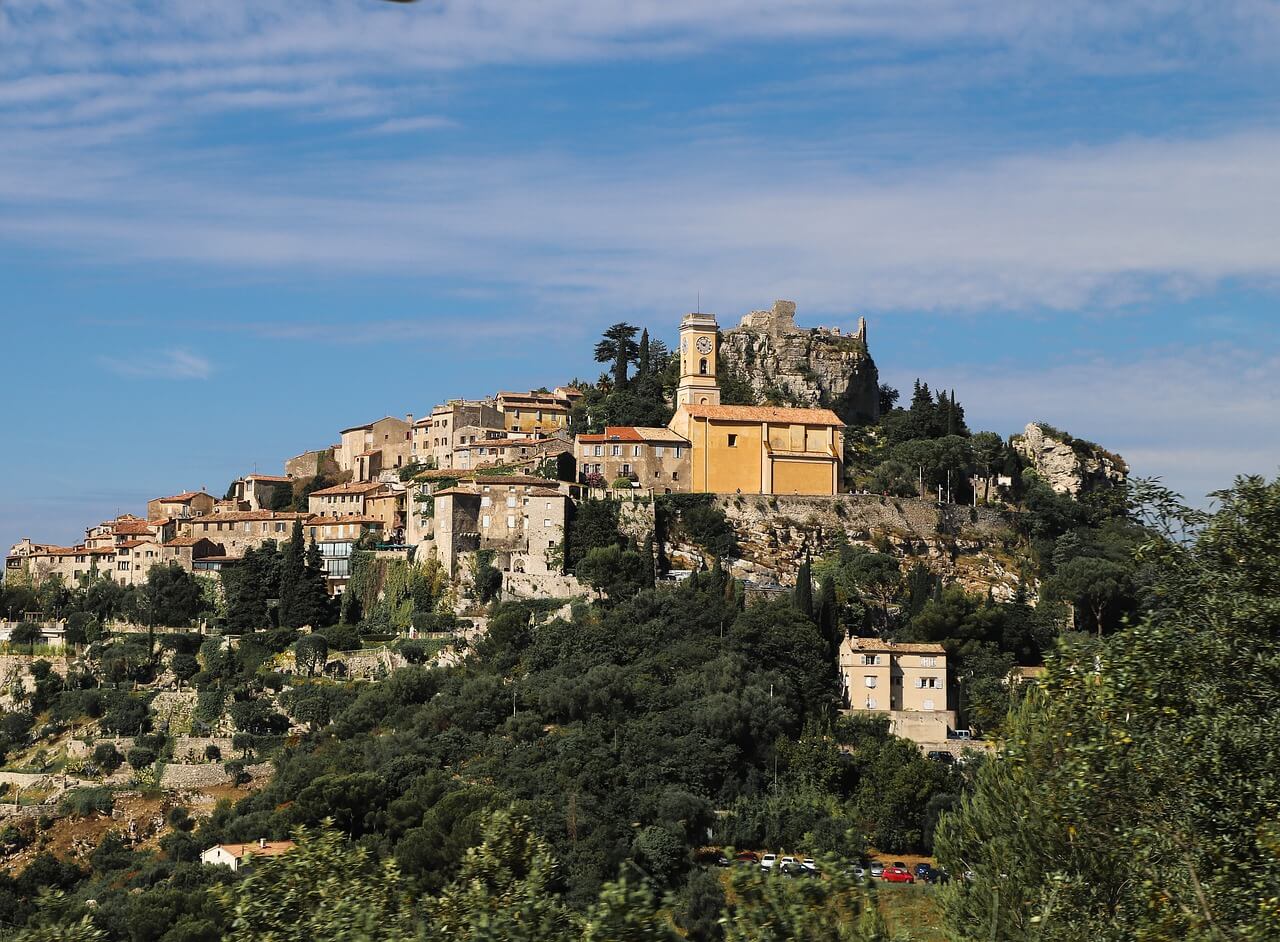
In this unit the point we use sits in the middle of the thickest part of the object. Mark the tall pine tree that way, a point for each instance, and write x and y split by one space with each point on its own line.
292 575
803 596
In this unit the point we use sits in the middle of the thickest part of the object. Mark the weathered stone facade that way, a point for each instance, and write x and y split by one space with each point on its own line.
813 367
1068 465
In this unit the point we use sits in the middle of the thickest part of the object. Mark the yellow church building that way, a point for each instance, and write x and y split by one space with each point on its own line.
748 449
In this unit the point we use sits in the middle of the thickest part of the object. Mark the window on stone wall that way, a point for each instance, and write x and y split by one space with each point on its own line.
733 441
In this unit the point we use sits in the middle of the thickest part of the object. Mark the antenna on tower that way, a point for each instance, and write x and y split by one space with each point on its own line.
699 300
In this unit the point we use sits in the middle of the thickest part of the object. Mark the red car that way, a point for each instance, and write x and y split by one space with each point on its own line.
898 875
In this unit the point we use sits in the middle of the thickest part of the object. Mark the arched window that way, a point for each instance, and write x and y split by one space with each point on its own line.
702 366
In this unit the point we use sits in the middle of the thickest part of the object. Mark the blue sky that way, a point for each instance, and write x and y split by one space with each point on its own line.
229 230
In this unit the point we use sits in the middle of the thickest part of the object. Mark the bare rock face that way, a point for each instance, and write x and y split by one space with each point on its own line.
1069 465
813 367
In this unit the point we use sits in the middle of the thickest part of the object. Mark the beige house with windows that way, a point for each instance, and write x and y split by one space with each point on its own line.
367 450
533 412
186 504
908 682
255 491
345 500
654 458
449 425
35 562
521 519
240 530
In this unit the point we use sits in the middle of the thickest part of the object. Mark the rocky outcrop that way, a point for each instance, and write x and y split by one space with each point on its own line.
1069 465
810 367
975 547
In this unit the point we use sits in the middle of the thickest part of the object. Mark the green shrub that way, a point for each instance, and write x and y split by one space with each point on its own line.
83 802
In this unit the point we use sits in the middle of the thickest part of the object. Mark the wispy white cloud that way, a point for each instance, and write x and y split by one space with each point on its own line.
165 364
1103 225
426 122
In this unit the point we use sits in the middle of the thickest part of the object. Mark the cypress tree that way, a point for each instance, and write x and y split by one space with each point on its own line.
828 620
803 597
643 358
292 574
311 604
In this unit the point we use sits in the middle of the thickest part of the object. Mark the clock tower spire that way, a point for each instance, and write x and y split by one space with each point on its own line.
698 335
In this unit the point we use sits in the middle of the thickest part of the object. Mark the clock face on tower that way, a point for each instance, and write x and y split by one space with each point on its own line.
704 344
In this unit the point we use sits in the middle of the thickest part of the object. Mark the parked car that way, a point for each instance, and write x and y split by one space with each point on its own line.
923 871
767 861
897 875
877 869
746 857
858 872
901 865
940 755
960 734
809 864
710 857
788 863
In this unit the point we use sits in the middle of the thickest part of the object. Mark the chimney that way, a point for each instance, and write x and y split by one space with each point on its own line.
408 417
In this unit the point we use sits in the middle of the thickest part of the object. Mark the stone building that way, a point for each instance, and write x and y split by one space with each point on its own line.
240 530
180 506
256 491
653 458
907 682
521 520
367 450
490 452
436 436
533 412
346 500
749 449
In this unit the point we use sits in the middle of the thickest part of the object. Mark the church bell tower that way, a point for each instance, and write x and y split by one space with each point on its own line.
698 334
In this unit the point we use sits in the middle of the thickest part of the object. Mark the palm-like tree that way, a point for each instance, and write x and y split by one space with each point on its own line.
618 347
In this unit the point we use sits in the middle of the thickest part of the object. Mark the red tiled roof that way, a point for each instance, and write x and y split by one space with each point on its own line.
235 516
185 540
267 849
892 647
184 498
273 478
498 443
322 521
764 414
351 487
137 527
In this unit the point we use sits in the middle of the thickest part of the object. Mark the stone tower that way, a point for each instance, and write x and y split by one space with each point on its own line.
698 338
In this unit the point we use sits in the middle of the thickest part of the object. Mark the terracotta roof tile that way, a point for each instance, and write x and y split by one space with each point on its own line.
269 849
351 487
882 646
764 414
184 498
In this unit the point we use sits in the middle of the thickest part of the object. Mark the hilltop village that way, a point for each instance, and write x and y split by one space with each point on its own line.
491 491
500 473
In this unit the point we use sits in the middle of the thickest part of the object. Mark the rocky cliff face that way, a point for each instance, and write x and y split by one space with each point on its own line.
1069 465
804 367
975 547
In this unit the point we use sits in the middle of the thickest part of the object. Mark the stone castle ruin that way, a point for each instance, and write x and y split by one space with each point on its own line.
806 367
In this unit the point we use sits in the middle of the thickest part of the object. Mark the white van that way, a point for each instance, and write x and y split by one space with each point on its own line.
767 861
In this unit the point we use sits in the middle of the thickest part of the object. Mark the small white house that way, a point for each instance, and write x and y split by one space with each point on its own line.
237 855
